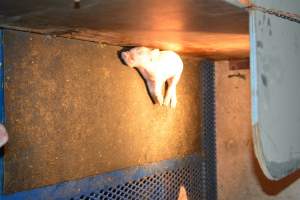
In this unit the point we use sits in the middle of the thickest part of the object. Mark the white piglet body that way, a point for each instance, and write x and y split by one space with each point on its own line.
157 67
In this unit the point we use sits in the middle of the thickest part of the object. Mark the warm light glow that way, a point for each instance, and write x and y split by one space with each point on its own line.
171 17
182 194
172 46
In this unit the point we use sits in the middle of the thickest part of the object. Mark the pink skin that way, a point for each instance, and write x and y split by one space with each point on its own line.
3 136
157 67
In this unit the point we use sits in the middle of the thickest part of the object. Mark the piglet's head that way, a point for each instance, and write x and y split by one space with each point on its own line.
140 56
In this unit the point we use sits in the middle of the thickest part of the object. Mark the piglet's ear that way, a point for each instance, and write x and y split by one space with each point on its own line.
155 54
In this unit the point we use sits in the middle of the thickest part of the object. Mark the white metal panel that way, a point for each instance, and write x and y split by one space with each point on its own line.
275 74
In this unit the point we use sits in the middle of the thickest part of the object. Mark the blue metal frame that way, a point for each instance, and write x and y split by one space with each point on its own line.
2 117
71 189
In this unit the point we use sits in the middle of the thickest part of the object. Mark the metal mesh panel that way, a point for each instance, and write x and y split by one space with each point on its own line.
163 186
209 136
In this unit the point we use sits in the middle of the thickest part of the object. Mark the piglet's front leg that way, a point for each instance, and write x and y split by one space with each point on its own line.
171 98
155 91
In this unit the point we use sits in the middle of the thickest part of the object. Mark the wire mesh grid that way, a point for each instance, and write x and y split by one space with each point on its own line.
163 186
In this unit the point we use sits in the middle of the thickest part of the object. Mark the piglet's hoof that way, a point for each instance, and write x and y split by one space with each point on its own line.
3 135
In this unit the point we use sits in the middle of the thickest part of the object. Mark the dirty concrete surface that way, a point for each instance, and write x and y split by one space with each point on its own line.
74 110
239 175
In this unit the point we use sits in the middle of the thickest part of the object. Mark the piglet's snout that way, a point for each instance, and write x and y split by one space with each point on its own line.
124 56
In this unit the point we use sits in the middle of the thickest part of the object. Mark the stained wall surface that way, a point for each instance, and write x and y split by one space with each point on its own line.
239 175
74 110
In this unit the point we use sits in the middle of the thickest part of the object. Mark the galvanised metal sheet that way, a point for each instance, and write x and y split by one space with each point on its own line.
275 82
287 6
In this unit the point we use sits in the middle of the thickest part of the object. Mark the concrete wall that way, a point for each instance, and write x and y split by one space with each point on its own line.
74 110
239 176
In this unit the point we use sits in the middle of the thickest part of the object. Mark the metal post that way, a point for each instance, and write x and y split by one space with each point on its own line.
2 118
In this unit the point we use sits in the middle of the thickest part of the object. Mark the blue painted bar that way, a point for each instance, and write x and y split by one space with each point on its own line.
2 118
74 189
2 114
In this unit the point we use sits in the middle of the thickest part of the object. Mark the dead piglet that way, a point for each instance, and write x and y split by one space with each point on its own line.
157 67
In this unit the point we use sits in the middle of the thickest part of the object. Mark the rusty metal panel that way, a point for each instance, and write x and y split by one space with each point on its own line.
275 70
73 110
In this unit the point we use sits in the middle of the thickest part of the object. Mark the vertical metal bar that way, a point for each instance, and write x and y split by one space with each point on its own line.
209 133
2 114
2 117
253 69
